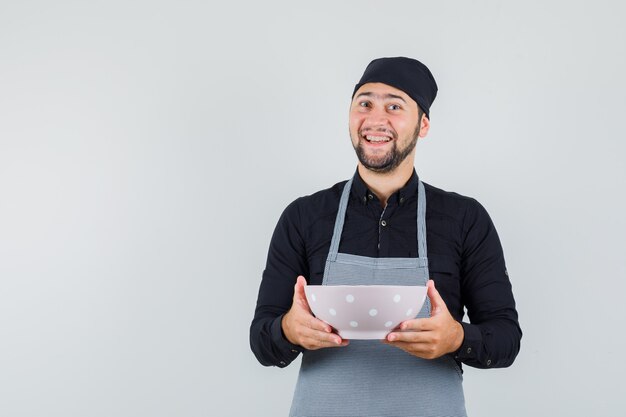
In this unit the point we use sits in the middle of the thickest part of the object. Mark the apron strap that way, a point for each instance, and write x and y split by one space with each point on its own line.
341 216
422 251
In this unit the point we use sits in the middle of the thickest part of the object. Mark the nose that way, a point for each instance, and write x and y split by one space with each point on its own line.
376 118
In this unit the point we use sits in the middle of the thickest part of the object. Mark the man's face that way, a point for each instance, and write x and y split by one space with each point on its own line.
384 126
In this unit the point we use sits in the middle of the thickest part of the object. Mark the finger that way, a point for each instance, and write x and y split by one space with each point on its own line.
316 324
416 325
436 302
410 337
317 340
421 350
344 342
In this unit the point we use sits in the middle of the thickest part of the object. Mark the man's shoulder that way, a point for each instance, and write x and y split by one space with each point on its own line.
451 204
325 196
448 202
319 205
446 196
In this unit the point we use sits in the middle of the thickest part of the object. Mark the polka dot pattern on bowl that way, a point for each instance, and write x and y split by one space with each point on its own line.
373 312
365 312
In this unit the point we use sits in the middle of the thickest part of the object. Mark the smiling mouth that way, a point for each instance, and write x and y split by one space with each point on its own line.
376 138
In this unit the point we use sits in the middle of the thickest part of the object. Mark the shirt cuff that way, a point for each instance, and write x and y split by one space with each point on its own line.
286 350
472 342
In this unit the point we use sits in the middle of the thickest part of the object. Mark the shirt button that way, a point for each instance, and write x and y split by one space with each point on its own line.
383 223
364 199
401 200
294 351
370 196
282 363
488 362
469 350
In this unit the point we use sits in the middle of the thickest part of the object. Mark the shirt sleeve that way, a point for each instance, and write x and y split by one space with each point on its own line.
492 338
286 260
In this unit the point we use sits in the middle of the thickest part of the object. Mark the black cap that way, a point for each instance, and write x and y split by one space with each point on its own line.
406 74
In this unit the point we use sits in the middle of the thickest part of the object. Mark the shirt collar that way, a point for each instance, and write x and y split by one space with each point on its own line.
364 195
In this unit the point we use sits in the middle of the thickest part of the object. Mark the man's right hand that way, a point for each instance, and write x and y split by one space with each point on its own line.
302 328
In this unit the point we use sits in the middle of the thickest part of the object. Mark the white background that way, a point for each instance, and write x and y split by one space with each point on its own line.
148 148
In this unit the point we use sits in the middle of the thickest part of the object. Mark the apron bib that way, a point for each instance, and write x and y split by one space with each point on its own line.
367 377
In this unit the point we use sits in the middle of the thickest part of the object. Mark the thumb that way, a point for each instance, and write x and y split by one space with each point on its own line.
299 295
436 302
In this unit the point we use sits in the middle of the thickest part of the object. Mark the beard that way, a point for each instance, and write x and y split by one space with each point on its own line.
390 160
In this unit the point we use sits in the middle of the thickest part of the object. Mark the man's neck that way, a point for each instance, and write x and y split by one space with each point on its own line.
385 184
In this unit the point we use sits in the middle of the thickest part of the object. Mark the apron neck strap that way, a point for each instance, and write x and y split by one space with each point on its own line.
422 251
341 216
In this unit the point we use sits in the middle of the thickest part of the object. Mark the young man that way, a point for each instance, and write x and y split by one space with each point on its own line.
384 226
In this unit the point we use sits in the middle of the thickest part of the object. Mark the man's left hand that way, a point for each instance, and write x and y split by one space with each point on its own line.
432 337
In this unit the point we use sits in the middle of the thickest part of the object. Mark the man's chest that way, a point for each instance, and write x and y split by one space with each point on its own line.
393 234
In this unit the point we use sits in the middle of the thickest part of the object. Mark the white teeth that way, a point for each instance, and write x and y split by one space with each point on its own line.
377 138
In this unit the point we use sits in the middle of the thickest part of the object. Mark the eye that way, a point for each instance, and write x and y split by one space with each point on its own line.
393 107
364 104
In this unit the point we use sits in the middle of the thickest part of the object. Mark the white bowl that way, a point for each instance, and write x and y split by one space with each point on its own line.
365 311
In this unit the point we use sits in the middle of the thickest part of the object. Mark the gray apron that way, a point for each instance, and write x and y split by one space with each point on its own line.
367 377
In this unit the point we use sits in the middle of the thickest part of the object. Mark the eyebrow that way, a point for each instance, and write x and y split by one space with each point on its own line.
388 95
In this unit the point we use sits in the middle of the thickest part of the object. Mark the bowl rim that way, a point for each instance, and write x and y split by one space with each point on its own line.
366 286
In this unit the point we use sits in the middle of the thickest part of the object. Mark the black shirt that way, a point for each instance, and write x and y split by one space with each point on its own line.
465 260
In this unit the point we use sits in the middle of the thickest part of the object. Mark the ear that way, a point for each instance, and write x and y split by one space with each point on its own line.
424 125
